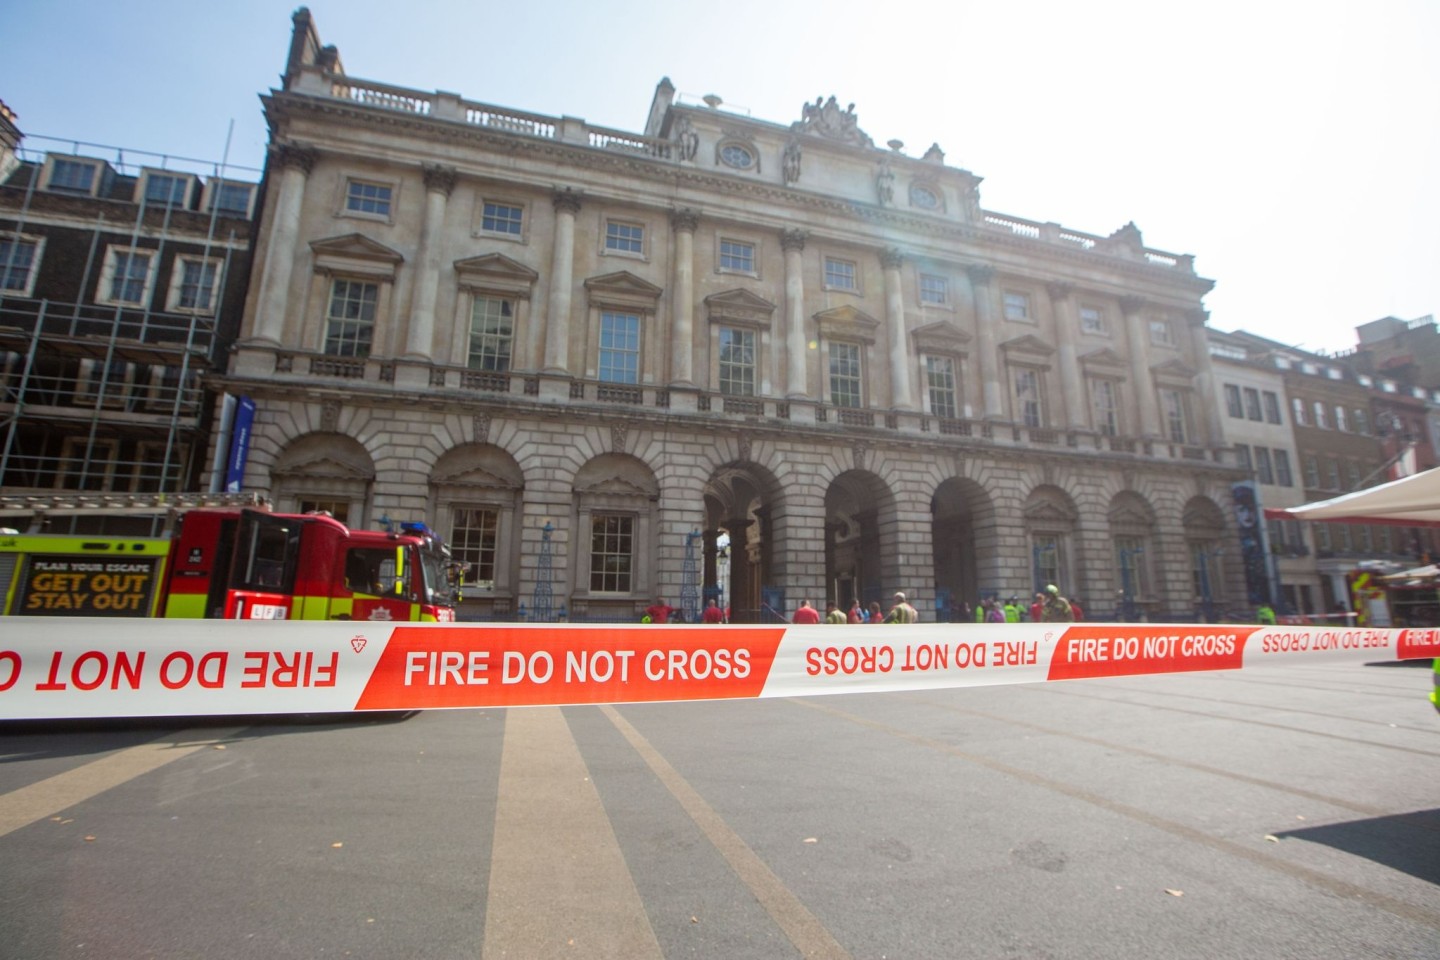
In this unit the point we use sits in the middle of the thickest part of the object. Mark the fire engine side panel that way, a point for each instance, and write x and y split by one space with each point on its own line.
193 564
69 576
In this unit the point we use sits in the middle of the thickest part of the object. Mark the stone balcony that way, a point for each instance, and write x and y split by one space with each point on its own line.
439 385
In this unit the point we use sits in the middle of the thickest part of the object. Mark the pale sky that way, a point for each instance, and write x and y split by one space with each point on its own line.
1293 148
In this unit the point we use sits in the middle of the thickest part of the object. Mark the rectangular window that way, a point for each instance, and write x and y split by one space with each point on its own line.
1252 404
1106 405
624 237
1362 539
1283 476
195 284
1272 407
737 256
502 218
1332 473
1321 532
940 378
1340 418
1160 332
492 328
1045 556
1017 305
1297 411
1342 537
17 259
1263 469
1352 474
1362 423
1242 456
934 289
87 464
339 509
1232 401
620 347
72 176
232 199
1172 405
737 362
1028 408
1312 472
166 189
612 552
130 276
1130 571
350 324
845 380
368 198
1092 320
1383 540
1320 418
473 542
840 274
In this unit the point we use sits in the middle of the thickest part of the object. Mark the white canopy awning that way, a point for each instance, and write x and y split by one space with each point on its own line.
1410 501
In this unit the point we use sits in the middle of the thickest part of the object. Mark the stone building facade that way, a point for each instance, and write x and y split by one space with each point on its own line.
603 362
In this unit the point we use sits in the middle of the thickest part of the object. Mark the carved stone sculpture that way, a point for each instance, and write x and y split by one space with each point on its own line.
885 184
824 118
790 163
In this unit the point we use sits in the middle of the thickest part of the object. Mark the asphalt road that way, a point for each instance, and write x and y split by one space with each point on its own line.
1278 813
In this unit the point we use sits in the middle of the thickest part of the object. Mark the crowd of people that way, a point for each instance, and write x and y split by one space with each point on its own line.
1048 607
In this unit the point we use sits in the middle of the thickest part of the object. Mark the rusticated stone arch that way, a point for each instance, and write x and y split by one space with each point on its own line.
615 499
861 540
962 515
1128 572
475 496
742 500
1050 518
324 471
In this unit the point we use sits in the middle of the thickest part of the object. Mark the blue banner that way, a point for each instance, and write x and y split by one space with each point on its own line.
239 445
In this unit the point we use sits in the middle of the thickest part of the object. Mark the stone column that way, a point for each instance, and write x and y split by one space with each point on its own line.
1072 388
985 324
1143 387
900 396
420 341
295 164
1205 376
562 279
740 609
793 243
682 334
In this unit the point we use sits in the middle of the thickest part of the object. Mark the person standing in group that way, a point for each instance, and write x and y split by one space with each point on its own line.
1265 615
901 612
1037 608
1012 610
713 613
834 614
1077 610
1056 609
659 611
806 613
994 613
857 613
875 615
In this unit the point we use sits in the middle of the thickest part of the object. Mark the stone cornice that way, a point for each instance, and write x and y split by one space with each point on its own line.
945 231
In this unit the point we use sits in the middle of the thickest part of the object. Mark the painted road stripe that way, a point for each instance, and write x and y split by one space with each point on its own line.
559 885
801 926
48 797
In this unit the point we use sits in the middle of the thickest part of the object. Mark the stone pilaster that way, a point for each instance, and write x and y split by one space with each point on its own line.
562 280
1148 414
420 339
1062 308
793 243
900 395
682 343
295 164
982 282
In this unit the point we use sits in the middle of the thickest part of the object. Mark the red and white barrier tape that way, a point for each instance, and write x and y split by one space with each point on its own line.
83 667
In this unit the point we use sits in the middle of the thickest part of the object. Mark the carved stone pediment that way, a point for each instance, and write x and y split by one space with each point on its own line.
1173 373
740 307
942 337
617 486
1128 515
475 479
356 254
495 272
324 467
824 118
1047 511
624 291
1104 361
1028 349
847 323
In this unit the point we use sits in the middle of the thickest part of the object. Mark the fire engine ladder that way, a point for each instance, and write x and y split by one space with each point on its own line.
36 510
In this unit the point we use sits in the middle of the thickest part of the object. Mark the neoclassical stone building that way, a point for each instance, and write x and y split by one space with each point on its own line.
593 357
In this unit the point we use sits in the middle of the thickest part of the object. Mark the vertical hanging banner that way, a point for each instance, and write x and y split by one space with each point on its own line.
71 667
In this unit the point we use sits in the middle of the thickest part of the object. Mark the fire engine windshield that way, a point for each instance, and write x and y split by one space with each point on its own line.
440 585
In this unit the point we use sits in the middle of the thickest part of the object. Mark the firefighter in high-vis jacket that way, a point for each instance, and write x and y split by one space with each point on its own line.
1435 691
